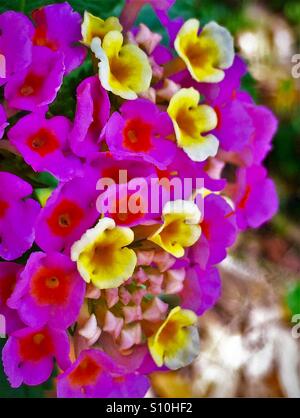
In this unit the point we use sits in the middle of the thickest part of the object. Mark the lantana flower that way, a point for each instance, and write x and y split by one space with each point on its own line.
44 144
49 291
176 343
180 228
128 209
191 121
141 131
255 197
206 54
102 255
36 85
201 289
18 213
123 69
92 113
57 27
219 232
96 375
29 352
95 27
16 32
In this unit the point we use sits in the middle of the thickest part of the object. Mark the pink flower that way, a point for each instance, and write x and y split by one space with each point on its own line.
50 291
16 32
36 85
255 197
219 232
58 27
28 355
96 375
43 144
17 216
67 213
201 289
92 113
141 132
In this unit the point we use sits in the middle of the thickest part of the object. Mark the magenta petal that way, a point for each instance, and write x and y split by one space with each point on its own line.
43 144
18 217
202 289
256 199
35 374
92 112
36 312
37 85
58 27
16 32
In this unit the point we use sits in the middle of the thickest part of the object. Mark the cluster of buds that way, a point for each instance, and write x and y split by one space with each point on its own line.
98 274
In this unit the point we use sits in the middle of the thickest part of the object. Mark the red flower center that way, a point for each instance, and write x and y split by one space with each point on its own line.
113 173
36 346
123 212
137 135
205 227
43 142
65 218
50 286
3 207
7 285
40 38
86 373
31 85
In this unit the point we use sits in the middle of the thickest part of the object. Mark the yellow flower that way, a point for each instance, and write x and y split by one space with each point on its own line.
95 27
102 256
176 343
190 121
180 228
123 69
206 55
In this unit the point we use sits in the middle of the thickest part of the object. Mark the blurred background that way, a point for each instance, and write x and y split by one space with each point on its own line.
249 348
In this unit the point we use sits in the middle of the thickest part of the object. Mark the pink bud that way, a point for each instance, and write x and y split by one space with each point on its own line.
163 260
147 39
145 258
130 336
92 292
113 324
112 297
132 313
156 310
125 296
174 281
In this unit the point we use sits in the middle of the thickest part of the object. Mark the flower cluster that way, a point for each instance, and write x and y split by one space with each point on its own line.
111 295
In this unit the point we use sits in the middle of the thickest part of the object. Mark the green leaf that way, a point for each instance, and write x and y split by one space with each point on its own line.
293 298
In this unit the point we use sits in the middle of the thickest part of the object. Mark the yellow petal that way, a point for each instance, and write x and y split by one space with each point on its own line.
206 55
191 120
180 228
102 255
95 27
123 69
176 342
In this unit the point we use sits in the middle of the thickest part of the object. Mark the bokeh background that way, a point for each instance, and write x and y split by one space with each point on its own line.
248 348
